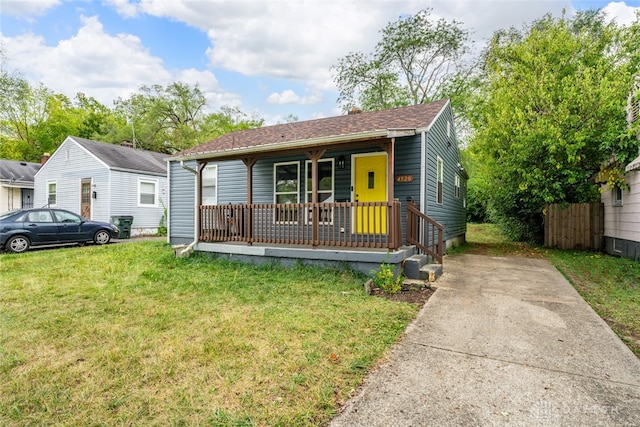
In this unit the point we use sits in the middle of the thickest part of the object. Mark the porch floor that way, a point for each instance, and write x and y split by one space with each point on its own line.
361 259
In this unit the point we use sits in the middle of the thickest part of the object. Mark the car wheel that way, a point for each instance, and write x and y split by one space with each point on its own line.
102 237
17 244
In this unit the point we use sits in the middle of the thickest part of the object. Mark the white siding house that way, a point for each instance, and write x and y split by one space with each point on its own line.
622 215
99 181
16 184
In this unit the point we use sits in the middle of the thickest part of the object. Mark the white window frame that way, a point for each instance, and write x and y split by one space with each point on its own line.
439 180
616 196
55 193
456 186
155 194
309 191
276 193
213 168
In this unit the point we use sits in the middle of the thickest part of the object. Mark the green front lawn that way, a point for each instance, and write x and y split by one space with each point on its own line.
128 335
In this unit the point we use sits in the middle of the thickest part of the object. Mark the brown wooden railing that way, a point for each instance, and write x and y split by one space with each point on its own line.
346 224
425 233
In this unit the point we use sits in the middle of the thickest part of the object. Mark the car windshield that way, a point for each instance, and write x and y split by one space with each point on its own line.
7 214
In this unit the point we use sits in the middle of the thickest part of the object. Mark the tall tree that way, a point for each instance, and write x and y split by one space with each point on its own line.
550 113
24 110
165 119
416 61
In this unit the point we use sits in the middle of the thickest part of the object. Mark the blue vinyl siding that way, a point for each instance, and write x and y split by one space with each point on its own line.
182 199
451 213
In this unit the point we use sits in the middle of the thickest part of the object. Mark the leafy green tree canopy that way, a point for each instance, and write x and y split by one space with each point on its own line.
550 112
417 60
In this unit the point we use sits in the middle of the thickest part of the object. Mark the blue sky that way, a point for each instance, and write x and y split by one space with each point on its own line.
270 58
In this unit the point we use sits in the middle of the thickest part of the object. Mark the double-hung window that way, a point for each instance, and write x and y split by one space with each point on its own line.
210 185
325 188
456 186
286 182
52 190
439 179
147 192
616 196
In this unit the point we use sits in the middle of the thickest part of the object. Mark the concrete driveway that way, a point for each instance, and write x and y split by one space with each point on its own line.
503 341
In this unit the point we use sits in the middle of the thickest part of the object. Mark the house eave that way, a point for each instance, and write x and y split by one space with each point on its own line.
634 165
285 146
139 172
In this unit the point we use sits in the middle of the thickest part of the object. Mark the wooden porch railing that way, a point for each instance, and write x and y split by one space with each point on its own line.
425 233
342 224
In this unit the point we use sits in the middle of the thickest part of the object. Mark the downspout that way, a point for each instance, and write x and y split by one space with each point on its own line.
184 250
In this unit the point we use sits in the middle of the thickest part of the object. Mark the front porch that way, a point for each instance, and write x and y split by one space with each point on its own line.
361 234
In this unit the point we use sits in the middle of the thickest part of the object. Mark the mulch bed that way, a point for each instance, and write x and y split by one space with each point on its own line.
413 294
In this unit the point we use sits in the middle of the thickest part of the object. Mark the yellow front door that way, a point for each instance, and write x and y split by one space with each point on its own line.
370 185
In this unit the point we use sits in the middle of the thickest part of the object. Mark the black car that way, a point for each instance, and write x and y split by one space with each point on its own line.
22 229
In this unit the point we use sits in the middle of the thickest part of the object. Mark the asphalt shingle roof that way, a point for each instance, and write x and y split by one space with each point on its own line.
415 116
128 158
12 170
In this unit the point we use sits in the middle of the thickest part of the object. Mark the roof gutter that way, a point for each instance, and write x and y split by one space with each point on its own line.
284 146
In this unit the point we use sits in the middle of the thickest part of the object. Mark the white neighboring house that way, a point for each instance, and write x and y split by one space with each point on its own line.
622 207
16 184
99 181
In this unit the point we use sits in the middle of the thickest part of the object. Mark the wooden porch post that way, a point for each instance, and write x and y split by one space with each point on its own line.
390 148
249 162
314 156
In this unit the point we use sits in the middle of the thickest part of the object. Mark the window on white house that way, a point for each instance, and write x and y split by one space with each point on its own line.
456 187
286 190
148 192
439 176
325 187
52 197
210 185
616 196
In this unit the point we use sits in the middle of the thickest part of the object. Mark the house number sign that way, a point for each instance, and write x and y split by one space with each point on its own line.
404 178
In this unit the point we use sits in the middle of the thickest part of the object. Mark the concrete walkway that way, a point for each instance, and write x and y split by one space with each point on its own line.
503 341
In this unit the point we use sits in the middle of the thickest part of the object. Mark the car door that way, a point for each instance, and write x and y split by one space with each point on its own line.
41 227
69 226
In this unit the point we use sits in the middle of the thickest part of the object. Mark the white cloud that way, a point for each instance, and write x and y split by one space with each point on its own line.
124 8
101 65
21 8
620 13
290 97
301 40
208 83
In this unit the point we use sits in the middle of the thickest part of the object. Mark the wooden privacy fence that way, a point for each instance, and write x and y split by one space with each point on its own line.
576 226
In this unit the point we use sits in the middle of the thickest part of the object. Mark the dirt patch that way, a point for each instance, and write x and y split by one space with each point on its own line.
516 249
411 293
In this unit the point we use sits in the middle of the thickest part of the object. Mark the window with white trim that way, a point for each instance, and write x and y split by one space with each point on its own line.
439 179
210 185
456 187
286 190
147 192
52 189
616 196
325 188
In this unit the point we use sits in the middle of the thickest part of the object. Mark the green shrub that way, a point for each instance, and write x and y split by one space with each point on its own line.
385 278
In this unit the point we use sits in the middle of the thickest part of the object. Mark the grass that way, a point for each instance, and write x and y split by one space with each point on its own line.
610 285
128 335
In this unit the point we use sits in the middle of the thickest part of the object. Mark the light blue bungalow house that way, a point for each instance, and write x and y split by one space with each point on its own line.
99 181
361 189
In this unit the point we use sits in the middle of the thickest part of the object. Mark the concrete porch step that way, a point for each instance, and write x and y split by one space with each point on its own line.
421 267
